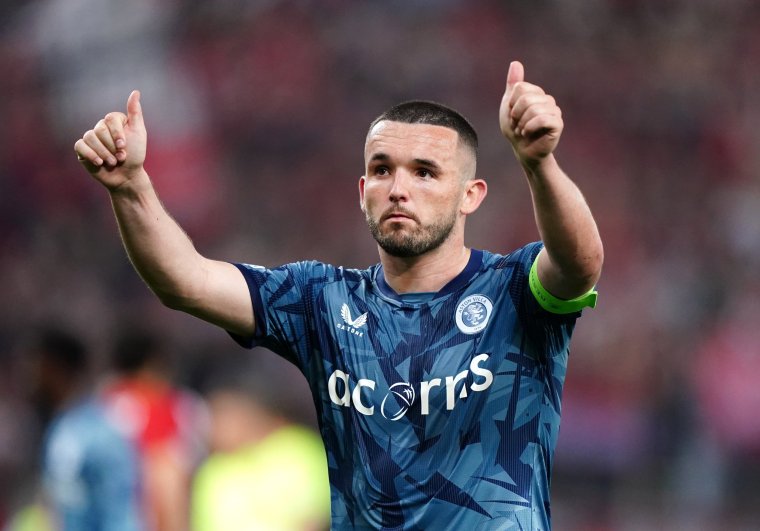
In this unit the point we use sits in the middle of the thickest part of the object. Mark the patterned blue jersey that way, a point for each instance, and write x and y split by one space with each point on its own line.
438 411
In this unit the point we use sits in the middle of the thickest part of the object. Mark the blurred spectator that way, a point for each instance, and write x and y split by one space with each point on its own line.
265 472
164 422
722 461
90 470
134 53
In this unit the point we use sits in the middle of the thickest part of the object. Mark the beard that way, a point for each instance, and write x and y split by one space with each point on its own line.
408 243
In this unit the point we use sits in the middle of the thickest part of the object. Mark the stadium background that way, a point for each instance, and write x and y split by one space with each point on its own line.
256 113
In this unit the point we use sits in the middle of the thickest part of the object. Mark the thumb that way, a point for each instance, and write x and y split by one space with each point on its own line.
134 109
515 74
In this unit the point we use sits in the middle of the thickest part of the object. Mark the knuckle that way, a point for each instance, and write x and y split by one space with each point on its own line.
535 89
113 118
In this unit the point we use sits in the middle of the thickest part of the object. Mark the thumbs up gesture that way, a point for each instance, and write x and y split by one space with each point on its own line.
529 118
114 150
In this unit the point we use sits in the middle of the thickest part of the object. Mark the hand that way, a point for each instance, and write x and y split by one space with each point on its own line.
114 150
529 118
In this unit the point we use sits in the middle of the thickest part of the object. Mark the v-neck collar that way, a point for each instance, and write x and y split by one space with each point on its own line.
473 264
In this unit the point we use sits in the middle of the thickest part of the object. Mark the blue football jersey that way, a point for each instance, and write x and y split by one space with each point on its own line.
91 472
438 411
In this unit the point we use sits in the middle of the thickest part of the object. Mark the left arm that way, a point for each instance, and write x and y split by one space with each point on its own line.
571 262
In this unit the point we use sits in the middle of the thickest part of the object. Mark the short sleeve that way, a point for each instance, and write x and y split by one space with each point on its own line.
282 305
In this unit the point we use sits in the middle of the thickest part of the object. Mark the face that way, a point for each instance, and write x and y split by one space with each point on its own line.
234 420
414 191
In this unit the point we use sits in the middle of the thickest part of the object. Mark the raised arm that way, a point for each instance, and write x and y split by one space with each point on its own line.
113 152
571 262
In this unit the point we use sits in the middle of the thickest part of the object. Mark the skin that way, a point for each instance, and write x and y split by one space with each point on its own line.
421 195
571 262
417 175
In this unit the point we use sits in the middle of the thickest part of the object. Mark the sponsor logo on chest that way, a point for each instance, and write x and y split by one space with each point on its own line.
402 396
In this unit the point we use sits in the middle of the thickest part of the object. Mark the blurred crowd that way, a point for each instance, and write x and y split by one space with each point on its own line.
256 114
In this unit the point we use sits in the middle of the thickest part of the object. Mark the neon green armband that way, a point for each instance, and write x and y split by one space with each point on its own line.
552 304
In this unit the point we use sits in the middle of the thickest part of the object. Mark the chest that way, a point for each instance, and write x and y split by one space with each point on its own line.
423 365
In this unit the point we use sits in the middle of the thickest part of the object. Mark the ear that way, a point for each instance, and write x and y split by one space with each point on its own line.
362 179
475 190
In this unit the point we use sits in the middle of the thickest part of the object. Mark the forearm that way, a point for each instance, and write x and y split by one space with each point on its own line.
113 152
159 249
574 254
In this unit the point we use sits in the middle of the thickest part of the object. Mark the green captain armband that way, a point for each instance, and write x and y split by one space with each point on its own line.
552 304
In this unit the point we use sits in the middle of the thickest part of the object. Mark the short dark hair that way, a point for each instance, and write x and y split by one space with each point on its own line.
431 113
135 348
63 349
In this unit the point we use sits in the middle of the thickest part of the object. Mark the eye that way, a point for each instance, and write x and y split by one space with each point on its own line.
425 173
381 170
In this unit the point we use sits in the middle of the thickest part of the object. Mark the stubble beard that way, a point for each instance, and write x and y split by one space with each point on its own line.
409 243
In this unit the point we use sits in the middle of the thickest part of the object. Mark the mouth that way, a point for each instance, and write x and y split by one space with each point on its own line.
397 215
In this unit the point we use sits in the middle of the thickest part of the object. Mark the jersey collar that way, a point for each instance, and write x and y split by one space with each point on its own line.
473 264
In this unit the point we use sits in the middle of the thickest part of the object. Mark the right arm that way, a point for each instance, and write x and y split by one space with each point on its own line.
113 152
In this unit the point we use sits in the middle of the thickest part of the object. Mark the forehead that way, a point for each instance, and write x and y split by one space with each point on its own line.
421 141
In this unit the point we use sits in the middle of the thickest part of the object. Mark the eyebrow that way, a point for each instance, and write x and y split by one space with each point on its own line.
380 157
383 157
429 163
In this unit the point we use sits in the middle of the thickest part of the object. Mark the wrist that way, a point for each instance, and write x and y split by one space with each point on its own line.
135 183
539 166
537 170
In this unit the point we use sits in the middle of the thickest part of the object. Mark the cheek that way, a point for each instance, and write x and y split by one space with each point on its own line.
442 202
372 196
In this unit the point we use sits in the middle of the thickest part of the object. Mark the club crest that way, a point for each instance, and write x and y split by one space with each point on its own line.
473 313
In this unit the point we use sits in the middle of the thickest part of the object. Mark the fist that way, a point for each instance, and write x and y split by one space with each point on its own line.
529 118
114 150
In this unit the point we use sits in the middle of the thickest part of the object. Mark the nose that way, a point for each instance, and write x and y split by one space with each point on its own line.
399 190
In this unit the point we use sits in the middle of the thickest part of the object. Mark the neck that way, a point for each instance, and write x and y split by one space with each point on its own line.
68 395
425 273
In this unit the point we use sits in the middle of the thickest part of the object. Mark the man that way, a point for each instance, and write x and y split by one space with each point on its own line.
265 470
436 374
162 420
90 470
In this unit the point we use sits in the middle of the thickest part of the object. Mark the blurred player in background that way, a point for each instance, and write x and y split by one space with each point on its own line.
164 422
437 374
265 470
91 471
